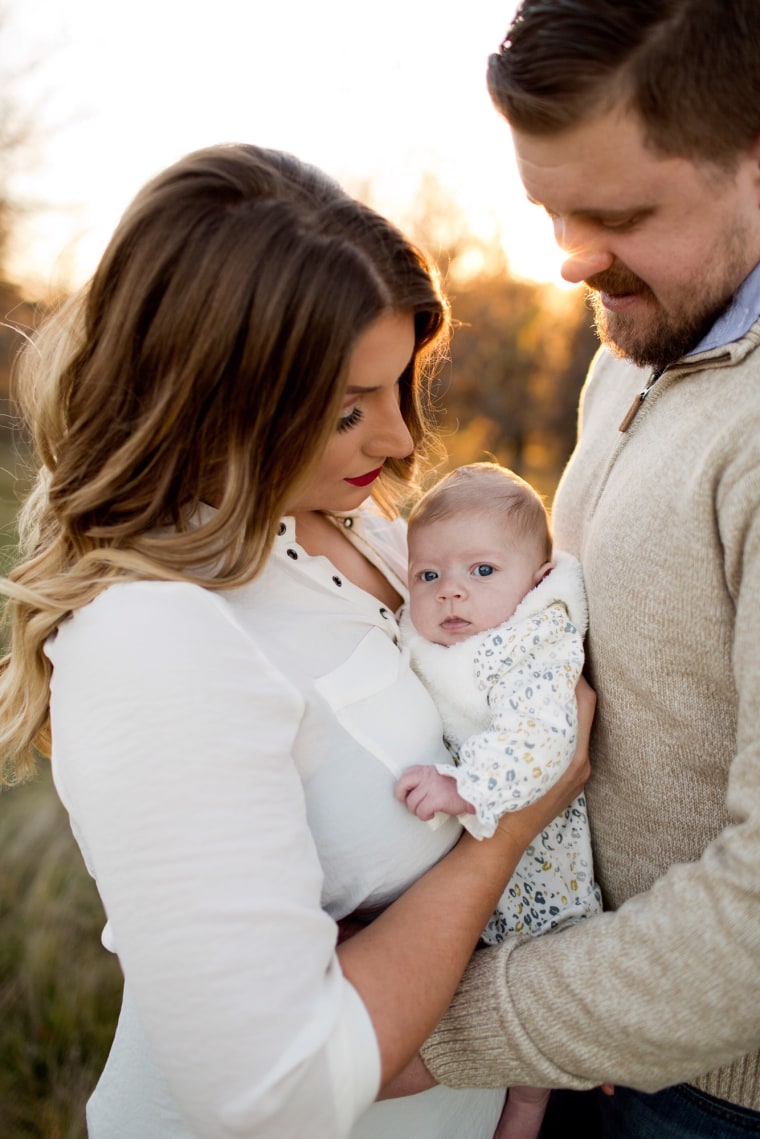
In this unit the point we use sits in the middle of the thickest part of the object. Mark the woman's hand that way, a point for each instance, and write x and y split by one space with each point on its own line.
405 978
520 827
586 698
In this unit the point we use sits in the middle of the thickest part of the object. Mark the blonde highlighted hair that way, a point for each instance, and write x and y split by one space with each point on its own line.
490 490
205 361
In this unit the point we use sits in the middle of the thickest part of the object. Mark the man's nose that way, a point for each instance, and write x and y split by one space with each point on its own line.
586 250
584 264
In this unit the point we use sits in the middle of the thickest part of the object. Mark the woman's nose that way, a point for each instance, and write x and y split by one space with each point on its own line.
392 438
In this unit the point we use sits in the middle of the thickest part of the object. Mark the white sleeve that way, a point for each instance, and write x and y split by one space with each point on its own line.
172 752
534 723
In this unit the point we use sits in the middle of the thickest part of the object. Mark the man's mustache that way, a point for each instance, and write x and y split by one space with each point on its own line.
617 281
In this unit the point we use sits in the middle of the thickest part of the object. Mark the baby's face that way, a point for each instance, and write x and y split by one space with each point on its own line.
467 575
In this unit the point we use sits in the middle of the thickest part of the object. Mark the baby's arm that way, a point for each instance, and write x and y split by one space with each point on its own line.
427 791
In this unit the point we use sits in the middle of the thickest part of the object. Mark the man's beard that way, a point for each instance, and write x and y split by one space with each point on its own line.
657 337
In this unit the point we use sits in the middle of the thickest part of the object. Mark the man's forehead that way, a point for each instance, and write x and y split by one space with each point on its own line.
602 166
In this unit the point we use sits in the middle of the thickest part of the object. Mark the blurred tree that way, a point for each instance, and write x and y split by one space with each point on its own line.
18 135
519 356
18 317
519 352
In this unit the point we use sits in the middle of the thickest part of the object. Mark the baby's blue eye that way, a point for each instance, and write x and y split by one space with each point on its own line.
483 570
428 575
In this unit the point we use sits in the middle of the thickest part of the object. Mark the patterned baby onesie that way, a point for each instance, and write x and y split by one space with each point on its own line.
507 702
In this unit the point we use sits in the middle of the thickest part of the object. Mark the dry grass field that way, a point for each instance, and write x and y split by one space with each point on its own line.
59 989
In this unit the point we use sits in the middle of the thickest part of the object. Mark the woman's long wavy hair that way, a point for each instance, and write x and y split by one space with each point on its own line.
206 360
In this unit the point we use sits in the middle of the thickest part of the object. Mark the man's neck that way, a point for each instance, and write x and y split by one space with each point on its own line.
738 318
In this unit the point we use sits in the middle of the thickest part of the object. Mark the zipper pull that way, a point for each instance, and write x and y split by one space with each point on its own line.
633 409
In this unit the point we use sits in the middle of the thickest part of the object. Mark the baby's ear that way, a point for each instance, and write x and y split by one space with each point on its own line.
542 571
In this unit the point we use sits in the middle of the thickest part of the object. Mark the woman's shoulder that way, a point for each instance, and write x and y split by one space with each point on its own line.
164 643
146 602
154 620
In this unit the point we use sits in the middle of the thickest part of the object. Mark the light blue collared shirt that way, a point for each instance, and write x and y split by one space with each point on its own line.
738 317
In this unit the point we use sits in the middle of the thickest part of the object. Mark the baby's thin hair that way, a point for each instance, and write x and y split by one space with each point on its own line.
486 489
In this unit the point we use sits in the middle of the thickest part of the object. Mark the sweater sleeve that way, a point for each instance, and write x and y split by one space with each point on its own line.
667 987
530 739
173 738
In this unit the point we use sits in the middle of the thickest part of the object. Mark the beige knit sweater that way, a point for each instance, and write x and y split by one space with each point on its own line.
665 519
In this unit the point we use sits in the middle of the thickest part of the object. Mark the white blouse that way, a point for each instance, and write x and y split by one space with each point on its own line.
228 762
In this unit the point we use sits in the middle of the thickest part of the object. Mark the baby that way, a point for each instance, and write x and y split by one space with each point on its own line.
495 630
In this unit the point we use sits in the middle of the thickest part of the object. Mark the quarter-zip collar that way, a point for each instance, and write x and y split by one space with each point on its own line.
738 318
728 329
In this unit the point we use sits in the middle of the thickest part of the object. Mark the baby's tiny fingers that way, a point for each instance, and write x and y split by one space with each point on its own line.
406 782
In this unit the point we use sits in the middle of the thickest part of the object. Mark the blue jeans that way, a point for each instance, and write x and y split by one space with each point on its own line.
680 1112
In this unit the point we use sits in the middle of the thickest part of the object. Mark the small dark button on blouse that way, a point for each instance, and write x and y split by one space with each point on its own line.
337 580
292 554
282 529
384 613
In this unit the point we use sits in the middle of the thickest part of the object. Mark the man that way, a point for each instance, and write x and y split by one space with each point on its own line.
636 126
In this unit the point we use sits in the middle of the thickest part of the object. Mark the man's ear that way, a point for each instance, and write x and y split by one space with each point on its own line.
754 154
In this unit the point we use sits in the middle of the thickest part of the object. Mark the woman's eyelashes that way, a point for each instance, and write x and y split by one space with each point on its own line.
346 422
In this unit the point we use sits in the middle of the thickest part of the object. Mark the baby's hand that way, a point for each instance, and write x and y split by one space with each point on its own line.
426 791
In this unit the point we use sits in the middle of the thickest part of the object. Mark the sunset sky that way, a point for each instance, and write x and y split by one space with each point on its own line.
378 95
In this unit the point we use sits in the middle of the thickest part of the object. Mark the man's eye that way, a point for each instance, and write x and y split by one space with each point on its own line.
622 225
483 570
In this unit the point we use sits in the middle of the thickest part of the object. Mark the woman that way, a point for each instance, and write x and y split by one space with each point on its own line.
205 623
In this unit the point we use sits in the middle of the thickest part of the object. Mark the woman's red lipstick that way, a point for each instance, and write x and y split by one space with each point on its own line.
365 480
